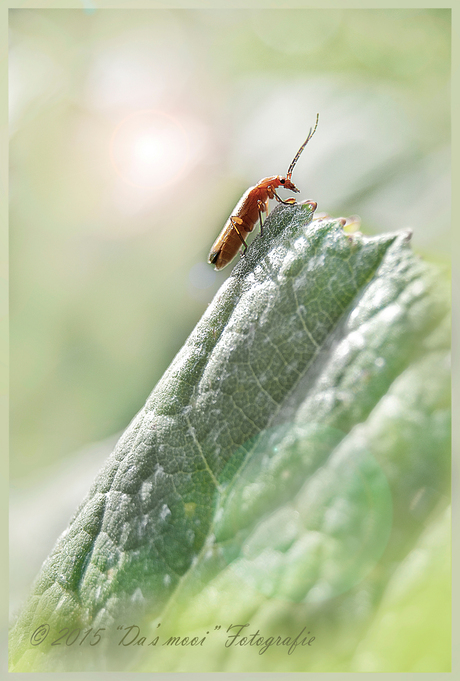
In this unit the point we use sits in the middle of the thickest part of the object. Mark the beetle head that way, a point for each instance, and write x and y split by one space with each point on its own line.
287 184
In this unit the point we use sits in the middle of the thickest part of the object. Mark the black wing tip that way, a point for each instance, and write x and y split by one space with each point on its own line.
212 257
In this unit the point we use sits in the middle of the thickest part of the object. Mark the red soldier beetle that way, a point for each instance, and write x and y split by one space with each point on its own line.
249 209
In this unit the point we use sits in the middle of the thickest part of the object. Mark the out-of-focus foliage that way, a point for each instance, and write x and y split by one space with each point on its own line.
287 462
108 278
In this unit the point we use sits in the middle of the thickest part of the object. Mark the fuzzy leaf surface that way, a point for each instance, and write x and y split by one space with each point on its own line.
289 457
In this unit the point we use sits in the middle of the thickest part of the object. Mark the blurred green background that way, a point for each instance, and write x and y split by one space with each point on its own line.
134 133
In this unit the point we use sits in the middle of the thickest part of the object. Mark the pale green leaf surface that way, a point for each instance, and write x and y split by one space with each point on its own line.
417 594
282 467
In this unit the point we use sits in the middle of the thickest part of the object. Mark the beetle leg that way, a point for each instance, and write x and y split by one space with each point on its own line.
263 208
289 202
235 220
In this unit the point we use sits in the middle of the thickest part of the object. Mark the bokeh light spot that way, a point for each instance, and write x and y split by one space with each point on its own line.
149 149
201 276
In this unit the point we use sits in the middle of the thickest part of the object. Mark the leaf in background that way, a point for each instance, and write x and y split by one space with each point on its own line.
417 594
282 467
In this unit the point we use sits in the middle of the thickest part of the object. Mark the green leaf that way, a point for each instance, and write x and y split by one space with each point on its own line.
284 465
418 597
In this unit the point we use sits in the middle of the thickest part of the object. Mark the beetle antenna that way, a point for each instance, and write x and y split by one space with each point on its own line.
296 157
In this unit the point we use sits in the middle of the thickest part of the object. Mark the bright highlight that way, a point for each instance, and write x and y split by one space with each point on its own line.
149 149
